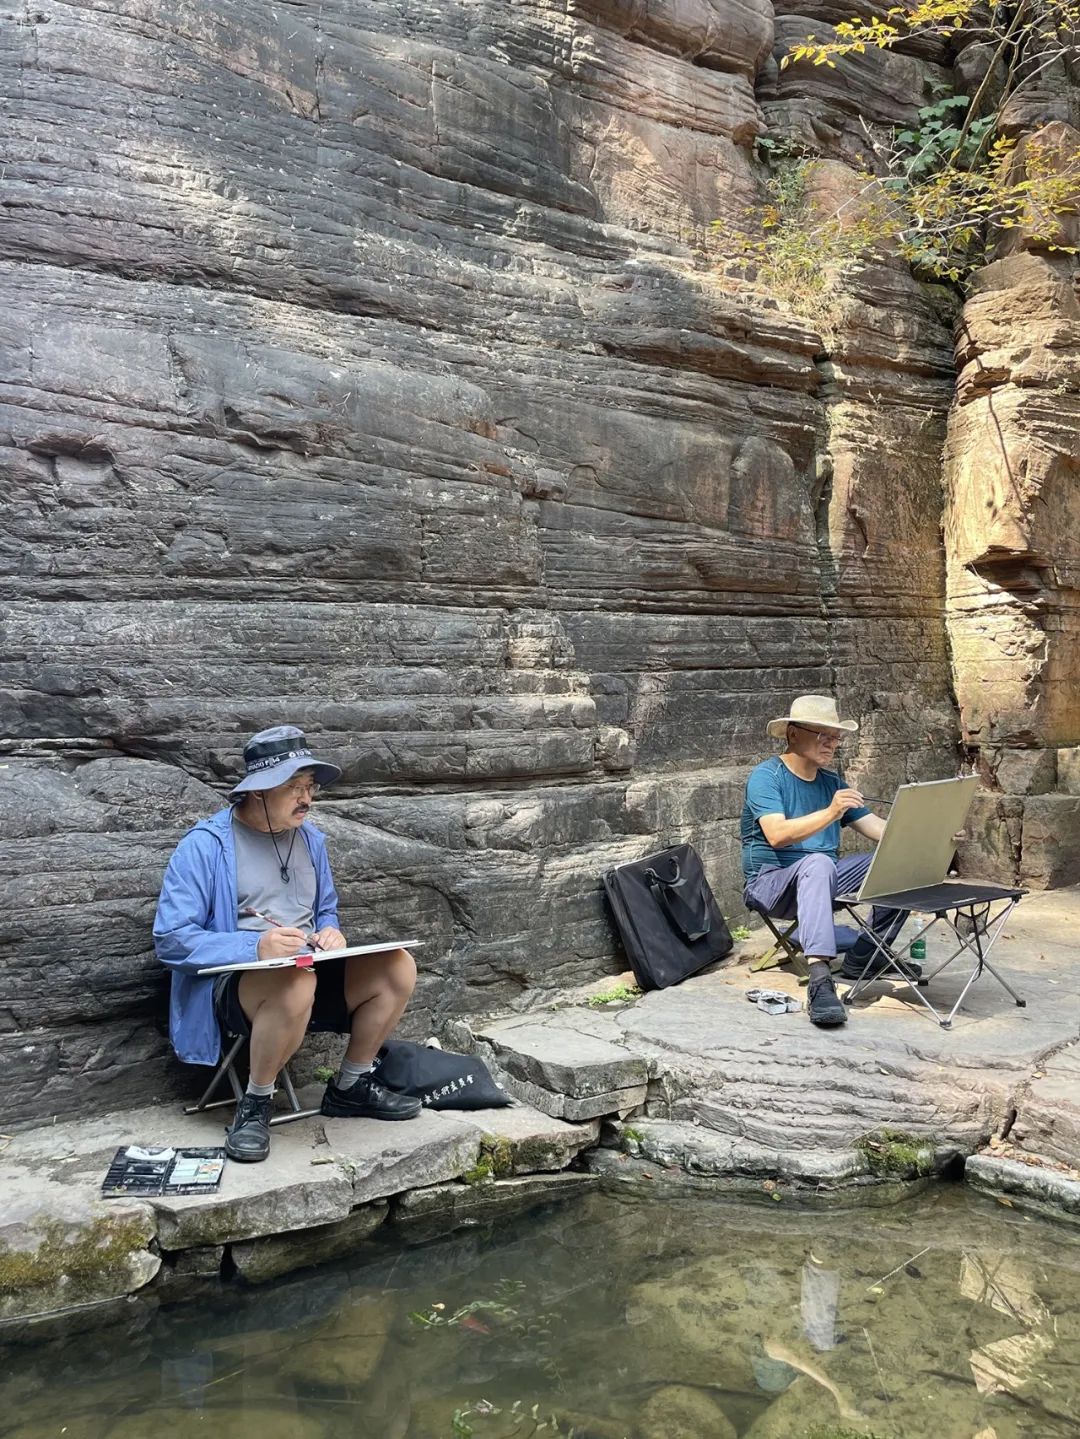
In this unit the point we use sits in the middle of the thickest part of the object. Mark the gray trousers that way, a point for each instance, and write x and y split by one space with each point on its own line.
805 891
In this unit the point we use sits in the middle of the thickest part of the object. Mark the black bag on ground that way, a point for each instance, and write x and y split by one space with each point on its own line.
667 917
439 1078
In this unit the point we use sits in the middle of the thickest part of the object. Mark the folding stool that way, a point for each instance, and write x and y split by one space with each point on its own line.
226 1070
786 950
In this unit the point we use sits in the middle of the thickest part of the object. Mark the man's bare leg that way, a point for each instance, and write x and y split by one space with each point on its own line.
277 1004
377 989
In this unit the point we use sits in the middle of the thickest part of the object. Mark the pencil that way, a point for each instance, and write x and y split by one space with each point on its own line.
249 911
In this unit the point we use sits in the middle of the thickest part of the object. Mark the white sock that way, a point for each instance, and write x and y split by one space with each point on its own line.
262 1090
349 1073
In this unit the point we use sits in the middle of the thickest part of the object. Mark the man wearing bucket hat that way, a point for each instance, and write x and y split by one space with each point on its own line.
795 807
253 882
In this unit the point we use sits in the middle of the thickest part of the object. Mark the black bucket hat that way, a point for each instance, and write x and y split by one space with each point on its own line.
273 756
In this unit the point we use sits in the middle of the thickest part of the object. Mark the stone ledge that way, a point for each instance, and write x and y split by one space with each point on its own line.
59 1251
260 1260
1030 1185
704 1153
556 1068
469 1203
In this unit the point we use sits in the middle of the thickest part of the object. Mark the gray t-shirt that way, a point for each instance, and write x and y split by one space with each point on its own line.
258 878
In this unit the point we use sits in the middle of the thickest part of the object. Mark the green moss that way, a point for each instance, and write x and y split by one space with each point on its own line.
831 1431
72 1254
482 1172
617 994
500 1152
631 1135
895 1153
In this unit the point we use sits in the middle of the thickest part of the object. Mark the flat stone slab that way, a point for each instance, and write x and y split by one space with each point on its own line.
378 1158
698 1150
61 1249
557 1067
518 1139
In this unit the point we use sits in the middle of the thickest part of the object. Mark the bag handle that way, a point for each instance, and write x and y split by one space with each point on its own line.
677 906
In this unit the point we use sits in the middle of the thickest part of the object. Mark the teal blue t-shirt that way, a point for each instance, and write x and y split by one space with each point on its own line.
773 789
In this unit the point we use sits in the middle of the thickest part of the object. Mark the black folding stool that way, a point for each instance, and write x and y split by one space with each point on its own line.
948 903
226 1070
791 949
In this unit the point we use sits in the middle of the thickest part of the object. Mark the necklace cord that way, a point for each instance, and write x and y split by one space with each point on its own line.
283 864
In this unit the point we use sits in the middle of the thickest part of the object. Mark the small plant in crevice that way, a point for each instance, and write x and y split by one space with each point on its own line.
959 175
617 994
799 251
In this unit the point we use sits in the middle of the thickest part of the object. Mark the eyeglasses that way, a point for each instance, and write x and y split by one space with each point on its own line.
822 736
301 785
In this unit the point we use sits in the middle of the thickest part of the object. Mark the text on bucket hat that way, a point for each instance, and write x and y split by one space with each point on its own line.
817 710
273 756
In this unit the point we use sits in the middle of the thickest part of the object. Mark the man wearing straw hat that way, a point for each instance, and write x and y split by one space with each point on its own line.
253 882
796 805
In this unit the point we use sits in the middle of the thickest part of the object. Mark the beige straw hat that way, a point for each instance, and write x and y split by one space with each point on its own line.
817 710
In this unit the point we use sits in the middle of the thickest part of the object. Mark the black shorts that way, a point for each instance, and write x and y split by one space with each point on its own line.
329 1014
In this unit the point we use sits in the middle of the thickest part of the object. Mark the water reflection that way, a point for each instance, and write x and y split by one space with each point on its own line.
612 1318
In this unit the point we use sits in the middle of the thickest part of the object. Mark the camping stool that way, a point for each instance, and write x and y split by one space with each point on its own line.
786 950
227 1070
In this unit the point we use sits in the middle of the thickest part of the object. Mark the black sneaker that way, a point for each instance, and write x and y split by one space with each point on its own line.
367 1099
854 966
824 1005
248 1138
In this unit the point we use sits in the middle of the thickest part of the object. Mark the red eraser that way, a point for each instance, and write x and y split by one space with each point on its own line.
304 961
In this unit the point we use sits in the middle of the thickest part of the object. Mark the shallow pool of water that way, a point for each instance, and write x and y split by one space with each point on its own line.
608 1318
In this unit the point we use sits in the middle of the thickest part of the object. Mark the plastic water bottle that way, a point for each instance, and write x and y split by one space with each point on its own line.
918 944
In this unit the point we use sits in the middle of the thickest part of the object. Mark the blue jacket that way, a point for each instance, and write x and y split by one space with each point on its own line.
195 926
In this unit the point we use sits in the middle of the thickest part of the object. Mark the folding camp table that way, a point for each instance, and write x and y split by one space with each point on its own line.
950 903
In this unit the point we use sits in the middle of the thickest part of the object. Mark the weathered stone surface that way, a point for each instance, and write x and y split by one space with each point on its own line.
522 1140
557 1068
1011 525
1048 1112
62 1250
425 1150
443 1206
728 1097
259 1260
698 1150
1042 1187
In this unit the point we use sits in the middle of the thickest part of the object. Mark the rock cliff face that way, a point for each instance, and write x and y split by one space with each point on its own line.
374 368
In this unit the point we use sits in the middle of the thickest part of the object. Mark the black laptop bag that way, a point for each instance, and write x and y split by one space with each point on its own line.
666 915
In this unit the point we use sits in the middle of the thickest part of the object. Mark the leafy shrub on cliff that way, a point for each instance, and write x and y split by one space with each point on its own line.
958 179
